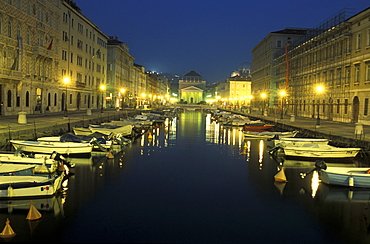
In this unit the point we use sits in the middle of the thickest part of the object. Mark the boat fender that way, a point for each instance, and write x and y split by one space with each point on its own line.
351 181
367 171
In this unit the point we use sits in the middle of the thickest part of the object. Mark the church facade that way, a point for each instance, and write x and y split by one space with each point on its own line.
192 88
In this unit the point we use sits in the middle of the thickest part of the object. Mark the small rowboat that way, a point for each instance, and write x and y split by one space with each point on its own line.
270 134
342 176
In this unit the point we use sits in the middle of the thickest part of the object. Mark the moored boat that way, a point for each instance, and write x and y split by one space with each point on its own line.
257 126
64 148
295 141
43 163
342 176
20 181
319 151
270 134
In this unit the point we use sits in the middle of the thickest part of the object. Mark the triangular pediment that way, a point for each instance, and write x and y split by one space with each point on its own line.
191 89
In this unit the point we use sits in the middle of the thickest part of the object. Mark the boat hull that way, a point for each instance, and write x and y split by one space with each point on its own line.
258 128
64 148
30 186
293 141
342 176
316 153
269 134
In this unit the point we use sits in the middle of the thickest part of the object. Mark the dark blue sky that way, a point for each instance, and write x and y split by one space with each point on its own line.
211 37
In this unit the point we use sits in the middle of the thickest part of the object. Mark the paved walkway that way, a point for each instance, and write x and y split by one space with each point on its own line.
341 134
347 130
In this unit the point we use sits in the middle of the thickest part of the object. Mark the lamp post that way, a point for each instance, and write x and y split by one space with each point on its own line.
102 88
250 103
263 96
66 80
282 94
122 96
319 90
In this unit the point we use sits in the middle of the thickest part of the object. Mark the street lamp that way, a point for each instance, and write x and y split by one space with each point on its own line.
66 80
102 88
122 96
319 90
282 94
263 96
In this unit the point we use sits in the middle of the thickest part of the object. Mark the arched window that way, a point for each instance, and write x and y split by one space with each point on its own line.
27 98
49 99
9 98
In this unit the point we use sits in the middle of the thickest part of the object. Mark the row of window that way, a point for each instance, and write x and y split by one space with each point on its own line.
303 106
9 99
335 78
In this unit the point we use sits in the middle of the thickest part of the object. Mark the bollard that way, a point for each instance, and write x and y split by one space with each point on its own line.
292 118
88 111
22 119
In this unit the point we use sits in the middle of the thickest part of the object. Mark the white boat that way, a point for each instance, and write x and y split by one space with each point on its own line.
107 129
342 176
99 144
296 141
19 181
236 120
43 163
319 151
269 134
63 148
81 131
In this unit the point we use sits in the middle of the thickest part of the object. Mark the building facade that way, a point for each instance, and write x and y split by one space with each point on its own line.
53 58
263 54
336 60
192 88
120 86
83 61
30 56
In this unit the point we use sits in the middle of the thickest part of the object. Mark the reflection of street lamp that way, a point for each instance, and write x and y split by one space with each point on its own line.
263 96
319 90
102 88
66 80
282 94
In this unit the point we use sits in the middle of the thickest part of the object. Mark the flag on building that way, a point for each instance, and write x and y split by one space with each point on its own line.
50 45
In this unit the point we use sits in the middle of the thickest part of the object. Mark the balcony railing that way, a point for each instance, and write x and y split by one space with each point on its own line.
10 74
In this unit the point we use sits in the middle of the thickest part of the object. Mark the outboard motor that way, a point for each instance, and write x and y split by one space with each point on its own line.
58 157
319 165
275 150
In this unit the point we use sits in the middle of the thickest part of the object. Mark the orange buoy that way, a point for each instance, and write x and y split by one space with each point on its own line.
244 149
7 231
110 154
33 213
280 176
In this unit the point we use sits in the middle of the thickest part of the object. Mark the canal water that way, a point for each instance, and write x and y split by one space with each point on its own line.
193 181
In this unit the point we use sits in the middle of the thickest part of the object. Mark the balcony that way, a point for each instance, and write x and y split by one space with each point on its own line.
42 51
10 74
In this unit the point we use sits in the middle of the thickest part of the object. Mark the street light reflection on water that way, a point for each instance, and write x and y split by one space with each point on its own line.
192 180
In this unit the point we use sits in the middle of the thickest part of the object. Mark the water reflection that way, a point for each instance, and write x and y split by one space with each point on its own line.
193 181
